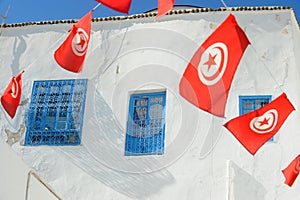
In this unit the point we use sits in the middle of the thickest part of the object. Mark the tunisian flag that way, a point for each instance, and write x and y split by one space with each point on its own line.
118 5
291 172
10 98
71 54
208 76
254 129
164 6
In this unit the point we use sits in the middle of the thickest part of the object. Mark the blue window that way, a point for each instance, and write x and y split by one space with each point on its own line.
55 115
146 124
250 103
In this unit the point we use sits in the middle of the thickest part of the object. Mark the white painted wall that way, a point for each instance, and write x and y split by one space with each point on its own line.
13 174
140 54
18 181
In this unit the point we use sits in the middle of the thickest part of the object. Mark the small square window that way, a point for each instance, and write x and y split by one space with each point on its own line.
250 103
146 124
55 113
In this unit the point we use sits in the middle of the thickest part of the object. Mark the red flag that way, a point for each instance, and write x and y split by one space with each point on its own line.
118 5
164 6
291 172
10 98
257 127
71 54
207 78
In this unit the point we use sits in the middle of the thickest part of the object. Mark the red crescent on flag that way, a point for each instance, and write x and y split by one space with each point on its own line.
212 76
272 116
80 42
220 66
14 88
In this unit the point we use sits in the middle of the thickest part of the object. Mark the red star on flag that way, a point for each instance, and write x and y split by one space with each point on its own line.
206 87
82 42
264 122
211 61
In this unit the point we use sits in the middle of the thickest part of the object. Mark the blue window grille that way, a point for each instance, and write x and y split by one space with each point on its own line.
56 110
146 124
250 103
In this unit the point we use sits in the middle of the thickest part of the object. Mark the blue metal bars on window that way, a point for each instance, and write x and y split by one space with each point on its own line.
251 103
146 124
56 112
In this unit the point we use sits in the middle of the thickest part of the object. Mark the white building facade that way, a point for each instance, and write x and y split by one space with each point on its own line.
131 73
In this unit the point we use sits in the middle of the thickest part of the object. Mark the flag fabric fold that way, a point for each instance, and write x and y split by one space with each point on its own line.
164 6
118 5
254 129
208 76
11 96
71 54
291 171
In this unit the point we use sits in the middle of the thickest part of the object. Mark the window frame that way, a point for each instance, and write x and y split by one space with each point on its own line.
251 97
144 129
53 119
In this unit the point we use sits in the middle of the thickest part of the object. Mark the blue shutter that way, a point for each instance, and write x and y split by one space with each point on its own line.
56 110
251 103
146 124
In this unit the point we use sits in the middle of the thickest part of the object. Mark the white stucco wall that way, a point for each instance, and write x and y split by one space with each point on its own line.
13 174
18 181
144 54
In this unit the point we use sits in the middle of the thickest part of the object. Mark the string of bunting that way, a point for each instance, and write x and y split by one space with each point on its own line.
217 58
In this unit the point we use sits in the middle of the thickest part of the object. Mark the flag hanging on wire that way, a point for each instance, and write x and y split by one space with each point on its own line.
164 6
254 129
118 5
10 98
291 171
71 54
208 76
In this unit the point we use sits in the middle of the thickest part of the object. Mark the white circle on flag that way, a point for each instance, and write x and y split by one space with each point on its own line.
14 88
80 42
297 165
213 63
264 123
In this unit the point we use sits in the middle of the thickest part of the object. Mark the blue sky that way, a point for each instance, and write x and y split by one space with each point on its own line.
33 10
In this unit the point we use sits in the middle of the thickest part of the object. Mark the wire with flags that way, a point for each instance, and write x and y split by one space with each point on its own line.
207 90
164 6
3 19
72 52
207 80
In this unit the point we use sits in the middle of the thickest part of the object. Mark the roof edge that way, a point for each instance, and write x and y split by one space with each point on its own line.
152 14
